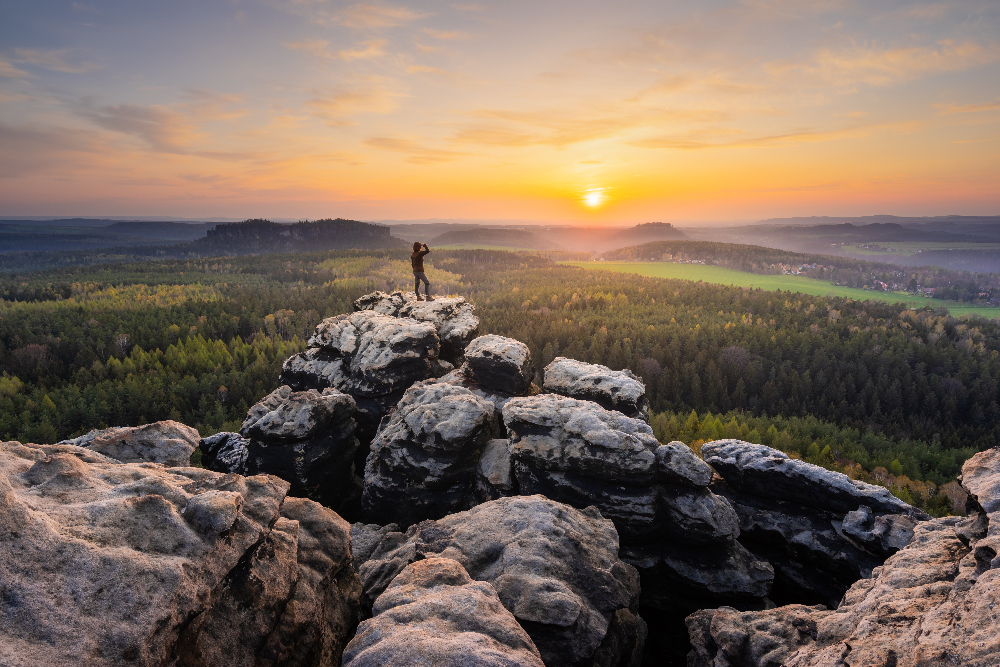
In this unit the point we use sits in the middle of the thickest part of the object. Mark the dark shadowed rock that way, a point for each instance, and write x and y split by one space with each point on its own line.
423 461
613 390
365 537
499 364
494 472
305 437
931 603
224 452
168 442
770 473
434 613
105 563
554 567
882 535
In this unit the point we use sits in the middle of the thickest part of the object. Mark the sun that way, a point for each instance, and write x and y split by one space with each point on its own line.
593 197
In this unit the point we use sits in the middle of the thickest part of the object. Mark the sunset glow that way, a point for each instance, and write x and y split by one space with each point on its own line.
316 108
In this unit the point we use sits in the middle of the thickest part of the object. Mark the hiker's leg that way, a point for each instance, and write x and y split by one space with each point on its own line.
427 284
416 283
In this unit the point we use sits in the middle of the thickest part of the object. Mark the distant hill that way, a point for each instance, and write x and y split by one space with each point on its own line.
263 236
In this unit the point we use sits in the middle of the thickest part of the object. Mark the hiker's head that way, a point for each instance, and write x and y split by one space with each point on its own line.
416 246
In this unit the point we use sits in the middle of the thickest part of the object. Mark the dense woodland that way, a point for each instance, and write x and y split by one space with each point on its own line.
948 284
871 385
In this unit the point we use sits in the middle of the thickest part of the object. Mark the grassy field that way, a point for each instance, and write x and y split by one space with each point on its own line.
911 248
715 274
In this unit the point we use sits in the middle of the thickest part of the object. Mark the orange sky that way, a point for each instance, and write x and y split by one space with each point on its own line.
568 111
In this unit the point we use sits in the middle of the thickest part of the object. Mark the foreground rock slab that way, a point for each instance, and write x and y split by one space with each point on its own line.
613 390
434 613
935 602
168 442
105 563
555 568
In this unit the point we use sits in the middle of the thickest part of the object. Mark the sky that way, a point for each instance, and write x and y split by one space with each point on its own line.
553 110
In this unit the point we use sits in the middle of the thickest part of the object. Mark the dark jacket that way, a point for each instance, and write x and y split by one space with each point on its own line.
417 260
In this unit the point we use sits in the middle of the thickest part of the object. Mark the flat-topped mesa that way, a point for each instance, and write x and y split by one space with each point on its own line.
423 460
613 390
109 563
452 317
555 568
819 529
304 437
932 603
432 613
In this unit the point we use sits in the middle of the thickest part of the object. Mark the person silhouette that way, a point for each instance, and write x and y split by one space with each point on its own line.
417 261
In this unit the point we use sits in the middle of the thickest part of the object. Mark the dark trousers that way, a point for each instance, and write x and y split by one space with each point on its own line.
417 277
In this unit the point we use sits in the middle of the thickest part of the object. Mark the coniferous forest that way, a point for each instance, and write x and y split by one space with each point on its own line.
890 395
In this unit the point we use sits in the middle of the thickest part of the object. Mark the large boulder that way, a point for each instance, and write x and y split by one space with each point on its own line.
452 317
500 364
931 603
434 613
555 568
372 357
819 529
423 461
613 390
168 442
105 563
304 437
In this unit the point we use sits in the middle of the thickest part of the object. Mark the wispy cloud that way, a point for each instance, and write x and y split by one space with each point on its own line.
949 109
320 49
161 128
338 105
8 71
692 142
415 152
58 60
446 34
361 16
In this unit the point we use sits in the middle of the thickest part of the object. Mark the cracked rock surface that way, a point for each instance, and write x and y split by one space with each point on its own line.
613 390
168 442
108 563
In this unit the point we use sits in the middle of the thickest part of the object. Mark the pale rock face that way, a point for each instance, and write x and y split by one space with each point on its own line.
932 603
434 613
422 462
494 477
770 473
499 364
553 567
451 316
168 442
613 390
105 563
289 416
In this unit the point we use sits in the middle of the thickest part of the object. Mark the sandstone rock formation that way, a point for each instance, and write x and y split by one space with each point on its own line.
108 563
500 364
819 529
680 535
555 568
422 462
433 613
612 390
932 603
452 317
370 356
168 442
304 437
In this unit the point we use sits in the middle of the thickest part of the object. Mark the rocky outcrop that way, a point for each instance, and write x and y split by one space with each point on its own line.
304 437
372 357
499 364
680 535
613 390
819 529
168 442
105 563
452 317
555 568
423 461
931 603
434 613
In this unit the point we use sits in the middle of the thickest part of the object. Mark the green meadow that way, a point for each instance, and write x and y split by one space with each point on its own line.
911 248
718 275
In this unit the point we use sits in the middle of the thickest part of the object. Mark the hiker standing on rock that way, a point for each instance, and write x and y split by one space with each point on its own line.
417 260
